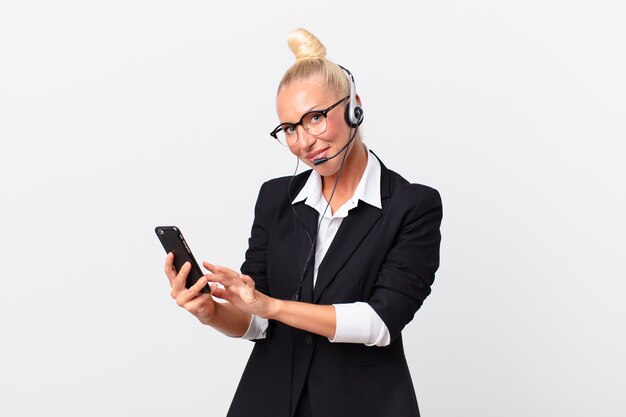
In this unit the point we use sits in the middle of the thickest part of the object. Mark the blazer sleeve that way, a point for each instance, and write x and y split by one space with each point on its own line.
255 264
408 272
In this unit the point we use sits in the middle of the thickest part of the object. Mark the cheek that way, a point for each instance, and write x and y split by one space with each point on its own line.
337 128
294 149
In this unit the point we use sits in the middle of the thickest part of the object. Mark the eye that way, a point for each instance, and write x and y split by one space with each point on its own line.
315 118
289 129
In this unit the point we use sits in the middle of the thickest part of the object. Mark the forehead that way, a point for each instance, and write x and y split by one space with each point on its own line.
301 96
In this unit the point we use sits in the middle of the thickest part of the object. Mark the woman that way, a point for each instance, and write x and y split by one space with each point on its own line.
339 260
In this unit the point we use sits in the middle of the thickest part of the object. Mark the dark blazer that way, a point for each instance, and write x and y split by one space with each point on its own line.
386 258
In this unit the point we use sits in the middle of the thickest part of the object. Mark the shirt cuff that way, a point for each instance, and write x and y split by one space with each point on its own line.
257 329
359 323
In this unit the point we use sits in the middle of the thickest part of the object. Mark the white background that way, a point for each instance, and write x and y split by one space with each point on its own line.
119 116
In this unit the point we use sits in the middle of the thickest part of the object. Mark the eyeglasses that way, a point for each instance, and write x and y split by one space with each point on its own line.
314 122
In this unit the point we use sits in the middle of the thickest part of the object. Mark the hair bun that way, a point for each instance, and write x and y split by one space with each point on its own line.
304 45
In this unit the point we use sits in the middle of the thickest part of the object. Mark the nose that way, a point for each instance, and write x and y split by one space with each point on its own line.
305 139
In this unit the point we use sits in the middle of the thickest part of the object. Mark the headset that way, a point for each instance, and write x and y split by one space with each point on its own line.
354 112
353 116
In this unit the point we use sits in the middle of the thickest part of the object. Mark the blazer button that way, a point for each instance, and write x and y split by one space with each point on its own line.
309 339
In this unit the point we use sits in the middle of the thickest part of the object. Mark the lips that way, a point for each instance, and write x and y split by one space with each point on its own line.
317 154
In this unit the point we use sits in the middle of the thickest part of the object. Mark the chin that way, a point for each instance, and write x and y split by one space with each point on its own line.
327 168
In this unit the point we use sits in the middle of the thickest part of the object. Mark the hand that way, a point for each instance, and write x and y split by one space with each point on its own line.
239 290
199 304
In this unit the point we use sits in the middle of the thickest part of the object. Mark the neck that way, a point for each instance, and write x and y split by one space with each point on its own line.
353 169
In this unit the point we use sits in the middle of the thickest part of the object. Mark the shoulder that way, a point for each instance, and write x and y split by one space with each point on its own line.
395 187
280 191
417 208
284 185
402 187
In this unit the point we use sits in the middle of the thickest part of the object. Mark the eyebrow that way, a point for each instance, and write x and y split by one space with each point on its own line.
308 111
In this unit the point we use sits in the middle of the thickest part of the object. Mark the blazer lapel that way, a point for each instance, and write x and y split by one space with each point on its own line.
352 231
354 228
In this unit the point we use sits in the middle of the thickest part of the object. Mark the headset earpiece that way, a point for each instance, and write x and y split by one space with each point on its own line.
353 113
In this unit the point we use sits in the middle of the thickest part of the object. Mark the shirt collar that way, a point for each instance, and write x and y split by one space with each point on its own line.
368 189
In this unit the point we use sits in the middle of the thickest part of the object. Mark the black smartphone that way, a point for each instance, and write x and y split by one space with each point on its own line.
173 241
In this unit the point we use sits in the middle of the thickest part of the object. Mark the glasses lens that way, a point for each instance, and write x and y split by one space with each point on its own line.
286 134
314 123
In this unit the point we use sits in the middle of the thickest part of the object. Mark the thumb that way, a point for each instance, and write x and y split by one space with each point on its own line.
221 293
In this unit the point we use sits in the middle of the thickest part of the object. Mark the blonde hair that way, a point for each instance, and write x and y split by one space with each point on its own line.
310 61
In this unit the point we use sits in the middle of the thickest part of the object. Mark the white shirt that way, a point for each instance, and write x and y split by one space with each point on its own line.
355 322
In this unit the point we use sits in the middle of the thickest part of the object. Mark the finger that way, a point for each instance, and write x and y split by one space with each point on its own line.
199 285
221 294
210 267
216 269
214 287
218 278
169 267
198 304
185 297
224 279
247 280
215 275
178 284
225 276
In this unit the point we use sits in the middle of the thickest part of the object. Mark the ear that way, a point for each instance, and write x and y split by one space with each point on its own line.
355 119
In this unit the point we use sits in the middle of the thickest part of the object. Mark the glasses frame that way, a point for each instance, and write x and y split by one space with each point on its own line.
324 113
